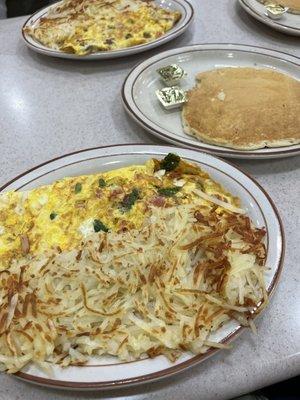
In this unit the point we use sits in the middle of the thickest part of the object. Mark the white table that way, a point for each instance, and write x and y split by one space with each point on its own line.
49 107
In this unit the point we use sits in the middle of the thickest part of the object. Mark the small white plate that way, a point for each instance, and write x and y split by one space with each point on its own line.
107 372
185 8
139 88
289 23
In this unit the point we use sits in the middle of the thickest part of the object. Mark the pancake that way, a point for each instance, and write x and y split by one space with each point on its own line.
244 108
294 5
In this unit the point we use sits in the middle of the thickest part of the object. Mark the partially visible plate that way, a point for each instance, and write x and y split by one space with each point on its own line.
107 372
289 23
185 8
138 92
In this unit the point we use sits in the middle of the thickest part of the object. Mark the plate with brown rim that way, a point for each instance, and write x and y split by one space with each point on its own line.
139 99
108 372
183 6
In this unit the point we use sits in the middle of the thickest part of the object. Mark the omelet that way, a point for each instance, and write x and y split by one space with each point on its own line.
61 215
88 26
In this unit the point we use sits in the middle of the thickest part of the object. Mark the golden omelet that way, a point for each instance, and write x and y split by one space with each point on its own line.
62 214
88 26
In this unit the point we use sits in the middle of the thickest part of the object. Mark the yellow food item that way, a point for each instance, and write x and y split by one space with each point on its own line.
293 5
244 108
61 215
89 26
134 262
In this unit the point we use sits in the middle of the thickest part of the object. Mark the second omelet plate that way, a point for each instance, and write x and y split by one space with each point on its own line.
59 36
142 83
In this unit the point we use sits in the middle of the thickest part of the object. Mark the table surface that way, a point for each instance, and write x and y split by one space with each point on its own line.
49 107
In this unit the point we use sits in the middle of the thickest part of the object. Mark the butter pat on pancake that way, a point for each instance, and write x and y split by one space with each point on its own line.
88 26
244 108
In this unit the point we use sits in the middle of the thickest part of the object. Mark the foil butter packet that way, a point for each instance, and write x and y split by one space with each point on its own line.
171 74
171 97
275 11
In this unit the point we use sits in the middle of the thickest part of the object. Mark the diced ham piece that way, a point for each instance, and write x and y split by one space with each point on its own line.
115 193
158 201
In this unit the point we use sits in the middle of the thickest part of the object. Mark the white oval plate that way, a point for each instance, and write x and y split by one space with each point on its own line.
138 92
107 372
289 23
187 13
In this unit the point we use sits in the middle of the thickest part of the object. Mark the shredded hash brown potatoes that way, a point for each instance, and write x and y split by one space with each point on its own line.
157 287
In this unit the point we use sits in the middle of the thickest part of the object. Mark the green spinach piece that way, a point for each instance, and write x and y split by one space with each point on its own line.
129 200
168 192
170 162
102 183
53 215
78 188
99 226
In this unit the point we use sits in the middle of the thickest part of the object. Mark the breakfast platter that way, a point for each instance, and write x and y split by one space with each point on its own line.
106 172
140 100
128 263
123 30
284 16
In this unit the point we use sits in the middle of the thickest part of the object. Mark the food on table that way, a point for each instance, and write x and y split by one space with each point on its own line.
88 26
171 74
244 108
134 262
293 5
275 11
171 97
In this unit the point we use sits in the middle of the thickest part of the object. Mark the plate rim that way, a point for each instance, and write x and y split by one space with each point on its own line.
167 372
182 26
137 115
289 30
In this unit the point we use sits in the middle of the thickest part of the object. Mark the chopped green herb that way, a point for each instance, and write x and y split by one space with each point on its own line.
147 35
78 188
99 226
168 192
170 162
129 200
200 186
102 183
53 215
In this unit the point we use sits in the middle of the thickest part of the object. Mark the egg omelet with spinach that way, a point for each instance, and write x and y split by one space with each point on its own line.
61 215
87 26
